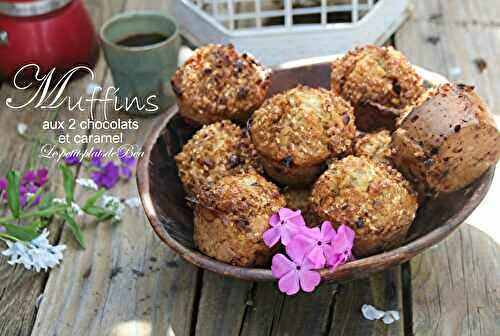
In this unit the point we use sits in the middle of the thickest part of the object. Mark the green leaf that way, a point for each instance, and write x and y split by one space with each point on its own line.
24 233
100 213
68 182
45 212
13 179
74 228
7 236
93 199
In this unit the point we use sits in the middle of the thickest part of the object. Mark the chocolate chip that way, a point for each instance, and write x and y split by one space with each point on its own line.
234 161
428 162
360 223
242 93
346 119
239 65
242 223
209 163
434 150
287 161
457 128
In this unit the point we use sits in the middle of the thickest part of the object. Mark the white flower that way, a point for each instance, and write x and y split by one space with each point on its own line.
22 128
59 201
113 204
371 313
75 208
87 183
38 253
391 316
133 202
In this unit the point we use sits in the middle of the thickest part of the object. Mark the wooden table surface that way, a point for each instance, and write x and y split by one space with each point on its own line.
126 282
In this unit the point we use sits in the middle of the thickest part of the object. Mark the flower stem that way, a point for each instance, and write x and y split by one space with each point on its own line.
39 213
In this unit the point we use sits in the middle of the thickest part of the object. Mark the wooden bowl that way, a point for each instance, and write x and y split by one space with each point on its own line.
164 201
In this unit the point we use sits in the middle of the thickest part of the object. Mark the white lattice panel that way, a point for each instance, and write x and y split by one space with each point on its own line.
276 31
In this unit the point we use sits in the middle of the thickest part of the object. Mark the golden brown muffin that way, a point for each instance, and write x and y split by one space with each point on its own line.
218 83
448 141
298 199
296 131
374 146
215 151
372 198
232 215
379 82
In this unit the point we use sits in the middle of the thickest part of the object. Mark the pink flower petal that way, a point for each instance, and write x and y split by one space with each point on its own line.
344 239
317 257
288 232
296 250
281 265
286 213
347 232
327 231
274 220
313 233
289 283
297 220
309 280
272 236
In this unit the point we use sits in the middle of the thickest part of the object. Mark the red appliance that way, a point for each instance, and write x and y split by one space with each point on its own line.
49 33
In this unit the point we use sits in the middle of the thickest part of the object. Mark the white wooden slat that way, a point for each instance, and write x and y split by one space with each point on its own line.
355 11
288 13
230 9
258 14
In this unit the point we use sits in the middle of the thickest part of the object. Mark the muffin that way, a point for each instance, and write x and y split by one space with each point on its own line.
231 216
296 131
448 141
298 199
379 82
375 146
218 83
215 151
371 198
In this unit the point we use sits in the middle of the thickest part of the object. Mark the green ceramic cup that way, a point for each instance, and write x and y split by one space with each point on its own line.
142 50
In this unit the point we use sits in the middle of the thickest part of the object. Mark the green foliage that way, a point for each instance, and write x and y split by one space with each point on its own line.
13 195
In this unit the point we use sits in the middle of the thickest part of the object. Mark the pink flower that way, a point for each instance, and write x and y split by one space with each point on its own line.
341 248
316 242
296 273
285 224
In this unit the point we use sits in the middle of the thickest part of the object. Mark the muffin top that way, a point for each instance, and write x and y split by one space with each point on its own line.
303 126
215 151
242 196
366 195
219 83
375 146
380 76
